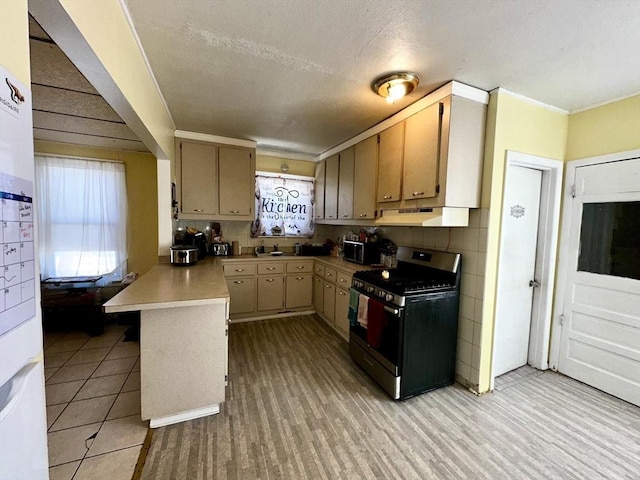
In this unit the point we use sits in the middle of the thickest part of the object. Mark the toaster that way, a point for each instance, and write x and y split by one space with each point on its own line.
220 249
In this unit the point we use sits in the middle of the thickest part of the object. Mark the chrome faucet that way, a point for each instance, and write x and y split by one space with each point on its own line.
275 247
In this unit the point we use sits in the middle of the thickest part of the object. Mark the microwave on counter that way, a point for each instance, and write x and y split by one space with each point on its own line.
364 253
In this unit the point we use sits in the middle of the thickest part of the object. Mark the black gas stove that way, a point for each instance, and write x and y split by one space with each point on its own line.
418 272
409 344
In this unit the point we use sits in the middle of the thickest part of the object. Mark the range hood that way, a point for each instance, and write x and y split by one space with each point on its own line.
425 217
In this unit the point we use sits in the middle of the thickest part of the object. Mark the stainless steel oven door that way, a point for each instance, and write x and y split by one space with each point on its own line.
389 352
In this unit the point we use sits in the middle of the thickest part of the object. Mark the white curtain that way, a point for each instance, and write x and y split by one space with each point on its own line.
82 217
284 206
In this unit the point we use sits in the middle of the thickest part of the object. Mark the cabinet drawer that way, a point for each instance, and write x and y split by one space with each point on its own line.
239 269
330 274
300 267
344 280
270 268
319 270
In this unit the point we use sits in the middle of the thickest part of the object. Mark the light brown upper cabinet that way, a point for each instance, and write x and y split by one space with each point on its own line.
421 149
365 176
214 181
331 187
345 184
237 181
390 163
318 207
199 178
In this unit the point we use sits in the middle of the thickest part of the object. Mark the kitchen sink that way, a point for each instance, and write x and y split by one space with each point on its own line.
273 254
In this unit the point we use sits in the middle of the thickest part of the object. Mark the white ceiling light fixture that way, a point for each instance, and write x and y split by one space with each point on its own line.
396 85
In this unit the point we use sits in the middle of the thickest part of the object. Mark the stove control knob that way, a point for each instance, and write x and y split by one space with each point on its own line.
370 289
388 297
381 293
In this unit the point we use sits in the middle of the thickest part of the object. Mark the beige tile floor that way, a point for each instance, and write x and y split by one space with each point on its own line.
93 405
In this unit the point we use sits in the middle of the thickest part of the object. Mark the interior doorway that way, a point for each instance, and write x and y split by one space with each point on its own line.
526 268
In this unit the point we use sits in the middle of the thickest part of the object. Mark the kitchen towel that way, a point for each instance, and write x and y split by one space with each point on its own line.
353 307
363 302
376 321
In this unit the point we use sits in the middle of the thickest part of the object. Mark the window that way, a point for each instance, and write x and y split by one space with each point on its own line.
610 239
284 207
82 217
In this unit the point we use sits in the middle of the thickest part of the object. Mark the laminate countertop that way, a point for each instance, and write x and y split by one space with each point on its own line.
166 286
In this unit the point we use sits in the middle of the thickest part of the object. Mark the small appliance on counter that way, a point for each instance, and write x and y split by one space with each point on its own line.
220 249
192 238
315 250
364 253
184 255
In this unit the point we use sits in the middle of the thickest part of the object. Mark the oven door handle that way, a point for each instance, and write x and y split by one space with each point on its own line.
393 311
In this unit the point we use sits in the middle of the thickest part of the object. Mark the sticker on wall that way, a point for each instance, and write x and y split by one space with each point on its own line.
517 211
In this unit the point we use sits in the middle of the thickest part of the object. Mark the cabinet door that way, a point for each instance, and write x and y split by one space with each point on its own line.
421 147
198 178
328 304
364 180
318 207
342 310
318 294
299 291
345 184
237 181
243 295
331 187
390 163
270 293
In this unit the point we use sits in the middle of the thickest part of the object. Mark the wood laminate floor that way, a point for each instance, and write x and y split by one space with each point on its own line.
298 408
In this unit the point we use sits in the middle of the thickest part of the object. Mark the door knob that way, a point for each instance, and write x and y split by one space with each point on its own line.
533 283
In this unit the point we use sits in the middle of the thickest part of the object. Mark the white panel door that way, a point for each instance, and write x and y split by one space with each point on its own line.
517 267
600 338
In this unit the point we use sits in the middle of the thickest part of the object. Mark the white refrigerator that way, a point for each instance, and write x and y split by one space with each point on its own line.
23 423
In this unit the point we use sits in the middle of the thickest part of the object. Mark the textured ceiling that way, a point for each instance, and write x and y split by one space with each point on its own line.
66 108
296 74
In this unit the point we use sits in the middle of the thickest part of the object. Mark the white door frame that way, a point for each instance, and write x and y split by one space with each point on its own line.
549 224
564 254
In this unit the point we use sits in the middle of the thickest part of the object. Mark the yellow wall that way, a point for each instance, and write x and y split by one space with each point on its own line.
517 125
142 198
614 127
296 167
14 39
104 26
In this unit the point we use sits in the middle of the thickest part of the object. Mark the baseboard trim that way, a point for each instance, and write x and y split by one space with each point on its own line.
184 416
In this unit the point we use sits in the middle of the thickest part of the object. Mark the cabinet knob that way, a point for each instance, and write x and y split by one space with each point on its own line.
235 211
239 270
269 280
329 274
199 210
388 197
363 215
342 293
299 278
417 194
300 267
328 286
345 216
238 281
343 280
271 268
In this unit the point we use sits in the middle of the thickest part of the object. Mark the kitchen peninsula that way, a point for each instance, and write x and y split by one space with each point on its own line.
183 339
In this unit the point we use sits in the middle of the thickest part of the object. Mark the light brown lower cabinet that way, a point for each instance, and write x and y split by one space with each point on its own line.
299 291
270 293
329 301
318 294
242 291
342 310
